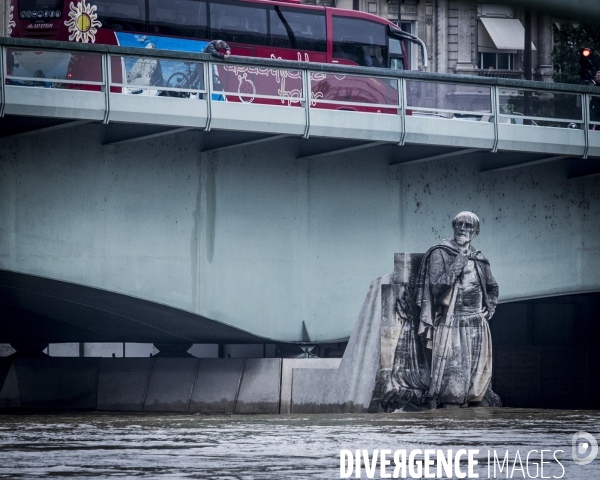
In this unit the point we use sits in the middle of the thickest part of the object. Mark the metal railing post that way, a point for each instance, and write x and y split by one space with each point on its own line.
106 77
495 110
585 112
3 78
402 109
209 88
306 95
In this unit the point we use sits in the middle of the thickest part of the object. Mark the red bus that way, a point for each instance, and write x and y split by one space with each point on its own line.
261 28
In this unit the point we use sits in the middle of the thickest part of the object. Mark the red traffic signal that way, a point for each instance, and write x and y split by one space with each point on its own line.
586 63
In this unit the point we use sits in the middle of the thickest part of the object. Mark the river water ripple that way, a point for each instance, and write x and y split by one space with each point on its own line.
98 445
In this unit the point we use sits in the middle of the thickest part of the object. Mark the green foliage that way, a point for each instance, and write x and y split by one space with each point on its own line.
566 53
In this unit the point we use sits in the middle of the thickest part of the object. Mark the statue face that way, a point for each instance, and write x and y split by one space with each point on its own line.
464 230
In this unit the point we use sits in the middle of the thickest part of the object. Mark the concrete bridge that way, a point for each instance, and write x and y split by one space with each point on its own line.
130 216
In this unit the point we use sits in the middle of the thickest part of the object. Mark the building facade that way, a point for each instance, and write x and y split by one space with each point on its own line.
467 36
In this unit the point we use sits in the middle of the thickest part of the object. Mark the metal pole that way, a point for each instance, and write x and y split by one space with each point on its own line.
306 95
585 112
495 110
402 109
209 88
527 66
3 79
106 75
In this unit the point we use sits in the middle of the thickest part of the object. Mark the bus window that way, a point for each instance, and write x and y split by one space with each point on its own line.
126 15
396 54
360 41
181 18
240 23
302 30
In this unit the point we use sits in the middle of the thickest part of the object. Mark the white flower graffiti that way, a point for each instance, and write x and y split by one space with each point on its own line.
293 95
83 22
11 22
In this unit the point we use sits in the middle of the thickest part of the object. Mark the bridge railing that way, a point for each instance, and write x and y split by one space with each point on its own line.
99 69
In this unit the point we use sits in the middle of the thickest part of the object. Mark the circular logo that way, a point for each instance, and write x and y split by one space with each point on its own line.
585 448
57 13
84 22
23 14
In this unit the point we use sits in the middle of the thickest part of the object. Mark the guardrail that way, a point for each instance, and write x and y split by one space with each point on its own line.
245 80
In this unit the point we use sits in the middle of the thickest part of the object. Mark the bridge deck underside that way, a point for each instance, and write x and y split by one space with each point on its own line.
423 149
340 203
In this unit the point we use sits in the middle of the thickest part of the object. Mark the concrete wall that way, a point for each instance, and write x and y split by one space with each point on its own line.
223 385
257 239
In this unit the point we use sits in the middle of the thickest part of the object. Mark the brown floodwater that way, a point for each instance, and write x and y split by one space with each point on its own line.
98 445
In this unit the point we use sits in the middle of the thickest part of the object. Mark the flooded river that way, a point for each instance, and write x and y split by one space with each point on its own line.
96 445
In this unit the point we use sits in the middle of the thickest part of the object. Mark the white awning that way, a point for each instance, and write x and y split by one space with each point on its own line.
501 34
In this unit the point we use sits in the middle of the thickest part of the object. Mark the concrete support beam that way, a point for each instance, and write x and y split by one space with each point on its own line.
525 164
442 156
342 150
168 131
245 144
53 128
584 175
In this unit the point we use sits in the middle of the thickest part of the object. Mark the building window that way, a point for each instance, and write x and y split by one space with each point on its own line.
372 7
496 61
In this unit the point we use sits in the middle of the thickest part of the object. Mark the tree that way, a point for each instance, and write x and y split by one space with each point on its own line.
569 40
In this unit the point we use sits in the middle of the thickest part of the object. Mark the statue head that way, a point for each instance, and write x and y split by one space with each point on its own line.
466 227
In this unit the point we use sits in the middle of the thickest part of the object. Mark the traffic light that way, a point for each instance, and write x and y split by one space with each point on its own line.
586 62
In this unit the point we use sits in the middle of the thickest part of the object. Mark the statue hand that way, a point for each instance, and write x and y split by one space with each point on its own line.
487 314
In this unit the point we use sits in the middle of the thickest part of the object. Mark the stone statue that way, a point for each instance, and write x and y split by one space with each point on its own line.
443 356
